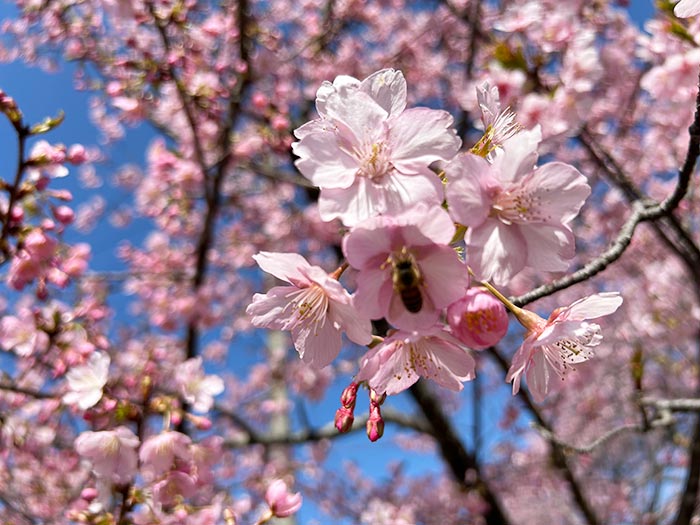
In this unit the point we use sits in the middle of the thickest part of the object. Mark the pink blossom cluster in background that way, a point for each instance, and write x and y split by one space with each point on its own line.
273 205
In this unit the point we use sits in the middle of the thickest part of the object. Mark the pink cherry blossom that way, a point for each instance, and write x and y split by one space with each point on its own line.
47 159
403 357
517 215
558 342
112 453
418 237
478 319
368 155
158 452
499 125
85 382
20 334
282 502
195 387
687 8
316 308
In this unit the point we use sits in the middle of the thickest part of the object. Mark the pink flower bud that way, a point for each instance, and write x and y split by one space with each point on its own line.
282 503
63 214
279 123
349 396
375 423
17 214
77 154
344 419
89 493
259 100
478 319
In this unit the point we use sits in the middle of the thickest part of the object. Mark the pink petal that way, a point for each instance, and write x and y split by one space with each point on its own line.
519 155
469 204
342 84
538 377
560 189
268 310
518 364
420 136
433 224
357 328
388 368
285 266
446 364
374 293
323 161
400 317
367 245
359 119
593 306
446 277
549 247
496 251
365 199
686 8
388 88
318 346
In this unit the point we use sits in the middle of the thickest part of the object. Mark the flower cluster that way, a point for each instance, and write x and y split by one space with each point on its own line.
376 165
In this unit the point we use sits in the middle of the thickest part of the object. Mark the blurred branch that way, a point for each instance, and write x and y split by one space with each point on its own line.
26 391
665 419
327 431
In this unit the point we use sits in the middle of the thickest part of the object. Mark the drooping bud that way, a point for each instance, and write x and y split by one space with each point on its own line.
375 423
478 319
344 419
349 396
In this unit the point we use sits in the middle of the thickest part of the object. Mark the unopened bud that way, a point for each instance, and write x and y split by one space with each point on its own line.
349 396
344 419
478 319
89 493
375 424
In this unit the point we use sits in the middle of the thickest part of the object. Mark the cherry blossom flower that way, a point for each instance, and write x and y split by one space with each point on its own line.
517 215
46 159
415 241
687 8
282 502
112 453
403 357
316 308
499 125
555 344
86 382
159 451
195 387
386 87
21 335
478 319
367 154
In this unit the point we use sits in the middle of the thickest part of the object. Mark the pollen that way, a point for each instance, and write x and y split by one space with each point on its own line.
375 162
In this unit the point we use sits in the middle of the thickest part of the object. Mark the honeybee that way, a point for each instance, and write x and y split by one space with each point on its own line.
407 279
